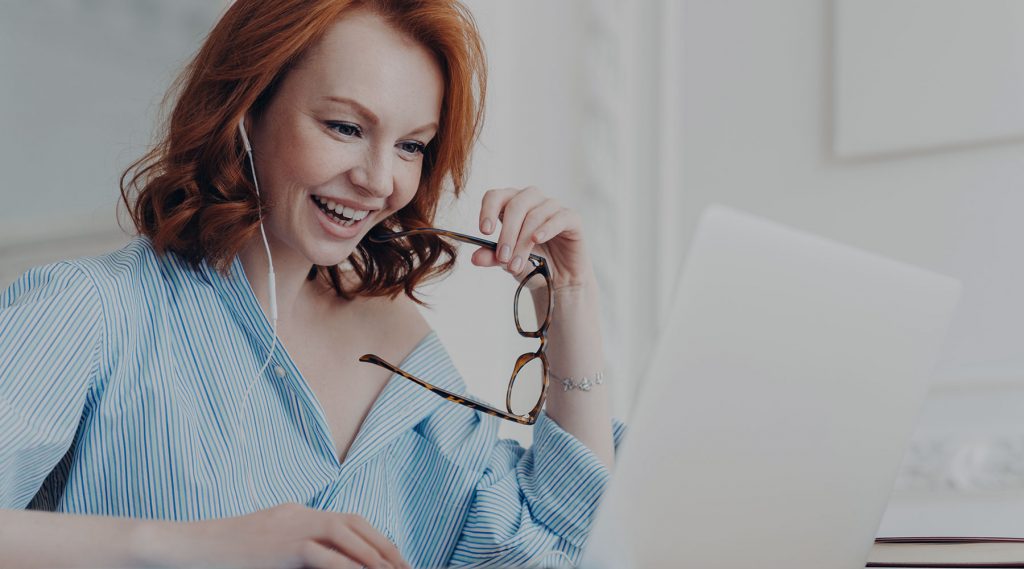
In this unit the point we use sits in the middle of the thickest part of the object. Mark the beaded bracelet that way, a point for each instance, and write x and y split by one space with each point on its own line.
583 384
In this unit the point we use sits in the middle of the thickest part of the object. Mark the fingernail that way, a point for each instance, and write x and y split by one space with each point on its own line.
488 225
540 236
504 253
517 264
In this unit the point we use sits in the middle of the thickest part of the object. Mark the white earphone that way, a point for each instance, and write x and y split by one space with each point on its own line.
271 289
272 284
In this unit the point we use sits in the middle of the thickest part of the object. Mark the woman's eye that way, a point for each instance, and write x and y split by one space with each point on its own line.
412 147
345 129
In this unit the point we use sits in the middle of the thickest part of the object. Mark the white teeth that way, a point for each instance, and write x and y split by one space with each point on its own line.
352 215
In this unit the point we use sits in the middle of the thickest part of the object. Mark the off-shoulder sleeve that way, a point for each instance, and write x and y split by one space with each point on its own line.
531 503
51 328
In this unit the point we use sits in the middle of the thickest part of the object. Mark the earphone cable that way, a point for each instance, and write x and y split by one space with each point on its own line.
272 291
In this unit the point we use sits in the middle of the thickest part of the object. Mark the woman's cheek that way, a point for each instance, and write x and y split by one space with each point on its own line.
315 169
411 181
404 192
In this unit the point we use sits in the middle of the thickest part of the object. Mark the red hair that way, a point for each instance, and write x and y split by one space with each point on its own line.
193 194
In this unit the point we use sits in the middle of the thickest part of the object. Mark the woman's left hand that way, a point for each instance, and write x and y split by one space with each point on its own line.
532 222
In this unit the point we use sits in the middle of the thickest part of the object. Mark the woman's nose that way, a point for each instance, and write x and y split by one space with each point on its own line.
374 175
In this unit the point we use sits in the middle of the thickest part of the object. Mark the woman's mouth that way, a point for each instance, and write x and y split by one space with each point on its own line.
339 214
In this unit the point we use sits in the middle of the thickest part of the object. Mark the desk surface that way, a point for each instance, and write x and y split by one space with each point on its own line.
535 567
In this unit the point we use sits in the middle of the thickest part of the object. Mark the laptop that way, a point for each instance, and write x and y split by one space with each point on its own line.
773 418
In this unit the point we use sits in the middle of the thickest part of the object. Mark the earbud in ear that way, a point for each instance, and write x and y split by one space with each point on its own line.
270 261
245 137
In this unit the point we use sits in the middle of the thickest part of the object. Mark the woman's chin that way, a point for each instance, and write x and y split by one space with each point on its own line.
327 254
323 246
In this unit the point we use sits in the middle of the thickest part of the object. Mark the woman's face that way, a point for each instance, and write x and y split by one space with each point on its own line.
340 146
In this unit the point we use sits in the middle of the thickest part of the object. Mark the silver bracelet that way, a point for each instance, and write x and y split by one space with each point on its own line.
584 383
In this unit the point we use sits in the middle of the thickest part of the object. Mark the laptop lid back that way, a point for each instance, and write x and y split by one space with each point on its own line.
773 418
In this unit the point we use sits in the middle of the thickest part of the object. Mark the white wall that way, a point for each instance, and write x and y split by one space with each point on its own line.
757 131
80 87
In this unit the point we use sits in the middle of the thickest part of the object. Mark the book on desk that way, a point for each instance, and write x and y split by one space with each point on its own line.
947 552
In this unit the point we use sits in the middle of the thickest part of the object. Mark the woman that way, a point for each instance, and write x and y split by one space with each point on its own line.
126 380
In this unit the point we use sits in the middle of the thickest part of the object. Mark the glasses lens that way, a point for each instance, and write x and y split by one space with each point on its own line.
527 387
532 303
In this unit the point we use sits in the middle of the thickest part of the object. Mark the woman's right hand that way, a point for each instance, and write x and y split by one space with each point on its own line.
288 536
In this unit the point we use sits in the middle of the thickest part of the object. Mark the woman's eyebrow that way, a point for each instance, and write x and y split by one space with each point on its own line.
359 107
432 127
371 117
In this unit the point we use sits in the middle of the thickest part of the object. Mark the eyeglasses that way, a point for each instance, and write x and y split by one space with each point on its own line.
528 384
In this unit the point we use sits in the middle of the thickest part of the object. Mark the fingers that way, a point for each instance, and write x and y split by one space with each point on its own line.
484 257
322 557
354 537
517 210
511 209
526 239
513 214
565 220
528 218
379 541
490 209
346 540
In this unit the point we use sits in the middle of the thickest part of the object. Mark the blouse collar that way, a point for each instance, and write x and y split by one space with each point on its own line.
399 407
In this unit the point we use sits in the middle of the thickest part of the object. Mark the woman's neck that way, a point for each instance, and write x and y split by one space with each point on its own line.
290 271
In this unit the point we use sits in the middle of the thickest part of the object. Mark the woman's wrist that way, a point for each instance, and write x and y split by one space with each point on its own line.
575 307
149 542
583 287
575 349
167 544
568 298
579 382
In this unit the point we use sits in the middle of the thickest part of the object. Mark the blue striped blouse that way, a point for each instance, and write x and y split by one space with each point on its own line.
121 376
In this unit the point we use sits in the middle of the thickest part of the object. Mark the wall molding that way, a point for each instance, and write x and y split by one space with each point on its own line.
30 243
926 77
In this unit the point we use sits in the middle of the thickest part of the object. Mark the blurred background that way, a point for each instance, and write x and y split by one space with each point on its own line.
893 125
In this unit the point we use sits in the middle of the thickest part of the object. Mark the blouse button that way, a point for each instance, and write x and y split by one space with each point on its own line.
279 371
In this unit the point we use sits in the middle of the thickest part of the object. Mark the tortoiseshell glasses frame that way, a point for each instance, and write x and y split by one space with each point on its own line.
540 268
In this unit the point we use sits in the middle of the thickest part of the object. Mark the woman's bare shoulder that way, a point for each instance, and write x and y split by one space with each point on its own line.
398 317
376 315
396 321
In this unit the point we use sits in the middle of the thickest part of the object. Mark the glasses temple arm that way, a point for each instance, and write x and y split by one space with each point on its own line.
445 233
376 360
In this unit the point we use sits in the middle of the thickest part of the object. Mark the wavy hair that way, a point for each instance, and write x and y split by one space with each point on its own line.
191 193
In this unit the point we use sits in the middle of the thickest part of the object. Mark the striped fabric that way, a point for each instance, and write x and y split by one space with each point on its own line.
121 377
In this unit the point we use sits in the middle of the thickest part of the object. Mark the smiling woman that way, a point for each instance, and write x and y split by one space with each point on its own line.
302 54
152 388
347 132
